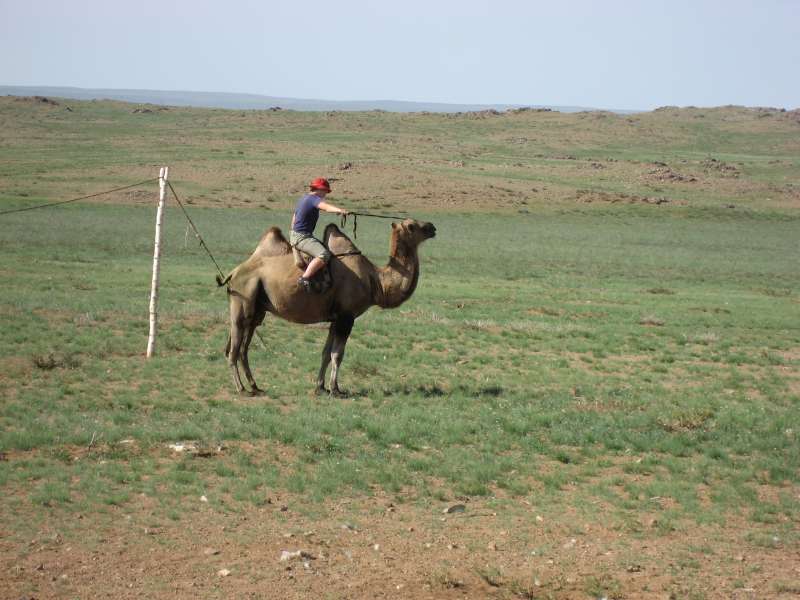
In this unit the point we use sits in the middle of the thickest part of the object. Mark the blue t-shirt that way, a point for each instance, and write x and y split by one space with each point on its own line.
306 214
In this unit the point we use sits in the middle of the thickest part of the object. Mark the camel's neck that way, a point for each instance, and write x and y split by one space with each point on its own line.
398 279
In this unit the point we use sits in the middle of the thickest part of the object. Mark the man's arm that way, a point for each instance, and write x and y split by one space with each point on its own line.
327 207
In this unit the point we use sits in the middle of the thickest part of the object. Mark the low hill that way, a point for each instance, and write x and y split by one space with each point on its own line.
518 160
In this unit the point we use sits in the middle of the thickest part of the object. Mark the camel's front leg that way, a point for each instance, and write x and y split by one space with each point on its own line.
342 328
326 359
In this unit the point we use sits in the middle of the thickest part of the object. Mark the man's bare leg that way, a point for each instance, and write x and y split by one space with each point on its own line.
314 266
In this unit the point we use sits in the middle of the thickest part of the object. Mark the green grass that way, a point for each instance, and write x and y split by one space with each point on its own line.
624 365
527 364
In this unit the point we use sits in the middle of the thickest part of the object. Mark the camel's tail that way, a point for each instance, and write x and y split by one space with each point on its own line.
228 346
221 281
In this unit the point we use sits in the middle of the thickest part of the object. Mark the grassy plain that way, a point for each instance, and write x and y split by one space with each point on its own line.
600 363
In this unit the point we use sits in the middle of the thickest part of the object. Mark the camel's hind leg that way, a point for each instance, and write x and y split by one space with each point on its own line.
326 359
255 322
341 329
238 332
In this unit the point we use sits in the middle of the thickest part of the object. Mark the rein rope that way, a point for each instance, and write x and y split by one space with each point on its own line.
355 215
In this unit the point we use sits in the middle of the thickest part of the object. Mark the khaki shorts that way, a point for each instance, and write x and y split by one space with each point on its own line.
310 245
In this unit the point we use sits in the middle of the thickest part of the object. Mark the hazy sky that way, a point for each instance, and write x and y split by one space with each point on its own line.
609 54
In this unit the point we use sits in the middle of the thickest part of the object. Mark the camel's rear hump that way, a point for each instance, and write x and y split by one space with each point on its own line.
273 243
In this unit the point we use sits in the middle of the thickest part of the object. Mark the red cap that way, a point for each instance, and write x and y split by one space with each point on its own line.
320 183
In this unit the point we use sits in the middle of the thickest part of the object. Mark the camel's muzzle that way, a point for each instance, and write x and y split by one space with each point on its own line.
429 230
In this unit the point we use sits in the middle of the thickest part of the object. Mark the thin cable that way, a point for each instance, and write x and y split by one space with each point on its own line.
119 189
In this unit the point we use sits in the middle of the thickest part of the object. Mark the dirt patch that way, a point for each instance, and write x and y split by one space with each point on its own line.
378 548
663 173
712 165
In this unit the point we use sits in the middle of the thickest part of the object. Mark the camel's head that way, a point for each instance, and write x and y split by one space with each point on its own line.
414 232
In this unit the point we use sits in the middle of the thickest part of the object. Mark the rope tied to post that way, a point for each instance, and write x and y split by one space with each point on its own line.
221 280
194 229
60 202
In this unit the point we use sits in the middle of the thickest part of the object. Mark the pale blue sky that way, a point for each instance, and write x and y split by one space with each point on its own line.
608 54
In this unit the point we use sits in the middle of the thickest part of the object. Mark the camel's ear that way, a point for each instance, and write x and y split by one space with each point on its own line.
394 225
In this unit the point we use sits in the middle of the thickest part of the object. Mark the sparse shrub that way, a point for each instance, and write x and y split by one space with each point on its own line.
51 361
652 321
705 338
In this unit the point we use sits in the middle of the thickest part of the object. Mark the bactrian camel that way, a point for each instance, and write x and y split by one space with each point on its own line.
267 282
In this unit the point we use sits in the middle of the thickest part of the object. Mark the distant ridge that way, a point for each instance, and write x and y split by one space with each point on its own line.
256 101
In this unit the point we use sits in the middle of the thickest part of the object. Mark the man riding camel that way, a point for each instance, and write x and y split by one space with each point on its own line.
304 220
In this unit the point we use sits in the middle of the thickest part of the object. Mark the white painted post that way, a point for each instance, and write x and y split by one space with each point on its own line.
162 194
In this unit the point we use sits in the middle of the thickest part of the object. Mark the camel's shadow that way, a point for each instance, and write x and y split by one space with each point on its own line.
433 390
348 394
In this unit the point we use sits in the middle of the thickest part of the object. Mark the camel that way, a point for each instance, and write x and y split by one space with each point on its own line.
267 283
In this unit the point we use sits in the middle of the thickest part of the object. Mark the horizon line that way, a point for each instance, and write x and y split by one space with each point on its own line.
574 107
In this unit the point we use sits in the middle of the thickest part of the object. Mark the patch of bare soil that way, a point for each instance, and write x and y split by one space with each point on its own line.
712 165
372 548
663 173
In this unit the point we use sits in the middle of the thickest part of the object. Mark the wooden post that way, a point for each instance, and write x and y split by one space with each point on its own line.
162 194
